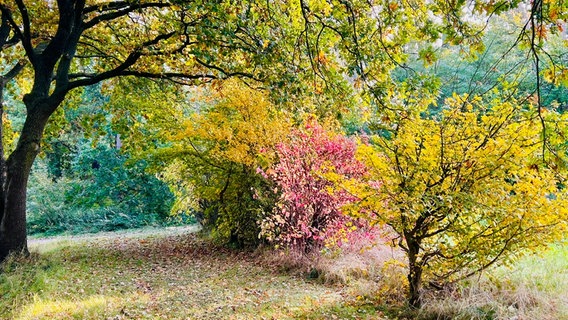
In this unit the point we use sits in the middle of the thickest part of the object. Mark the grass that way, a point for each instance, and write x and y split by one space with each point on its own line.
172 274
168 275
536 287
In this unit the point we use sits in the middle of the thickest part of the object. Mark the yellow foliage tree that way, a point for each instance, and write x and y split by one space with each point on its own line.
463 189
217 151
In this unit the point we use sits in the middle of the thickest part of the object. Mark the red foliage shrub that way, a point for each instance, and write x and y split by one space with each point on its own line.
308 211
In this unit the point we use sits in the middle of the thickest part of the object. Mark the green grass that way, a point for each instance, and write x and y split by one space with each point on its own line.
171 274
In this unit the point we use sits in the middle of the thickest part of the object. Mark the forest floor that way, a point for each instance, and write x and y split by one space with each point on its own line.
171 273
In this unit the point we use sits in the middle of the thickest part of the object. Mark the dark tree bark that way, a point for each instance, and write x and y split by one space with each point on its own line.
40 103
415 286
415 269
13 235
16 169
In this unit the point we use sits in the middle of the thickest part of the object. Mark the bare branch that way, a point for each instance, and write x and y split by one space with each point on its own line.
536 10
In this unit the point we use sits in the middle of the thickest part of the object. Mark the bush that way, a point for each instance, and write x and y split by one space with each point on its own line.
308 212
110 195
106 179
215 152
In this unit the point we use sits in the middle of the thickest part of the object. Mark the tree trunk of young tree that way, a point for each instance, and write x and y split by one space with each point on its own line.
414 273
415 286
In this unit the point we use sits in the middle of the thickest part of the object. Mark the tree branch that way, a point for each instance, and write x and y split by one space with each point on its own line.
13 72
536 10
121 68
226 73
122 11
70 46
24 36
113 5
171 76
69 12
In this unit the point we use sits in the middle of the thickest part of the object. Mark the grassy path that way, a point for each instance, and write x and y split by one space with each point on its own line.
162 275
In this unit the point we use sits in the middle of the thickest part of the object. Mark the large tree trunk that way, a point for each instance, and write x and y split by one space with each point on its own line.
13 235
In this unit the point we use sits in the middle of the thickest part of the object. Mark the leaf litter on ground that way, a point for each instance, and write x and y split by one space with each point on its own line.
163 274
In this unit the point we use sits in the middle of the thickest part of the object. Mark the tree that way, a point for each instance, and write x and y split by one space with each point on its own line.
451 225
70 44
465 189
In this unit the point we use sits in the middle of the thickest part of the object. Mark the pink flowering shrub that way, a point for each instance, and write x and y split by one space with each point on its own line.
308 212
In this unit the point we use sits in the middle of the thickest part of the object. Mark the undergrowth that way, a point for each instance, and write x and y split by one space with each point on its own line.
76 205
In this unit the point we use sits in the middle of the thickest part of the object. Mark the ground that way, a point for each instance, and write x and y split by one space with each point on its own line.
171 273
168 274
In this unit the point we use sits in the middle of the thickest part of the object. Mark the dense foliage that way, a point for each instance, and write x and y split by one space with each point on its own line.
100 192
465 189
307 214
216 151
465 168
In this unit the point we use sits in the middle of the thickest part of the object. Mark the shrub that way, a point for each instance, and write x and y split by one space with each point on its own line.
108 178
109 196
308 211
215 152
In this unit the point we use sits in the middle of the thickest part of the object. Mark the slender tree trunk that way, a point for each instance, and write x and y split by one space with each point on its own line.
414 274
13 235
2 152
415 286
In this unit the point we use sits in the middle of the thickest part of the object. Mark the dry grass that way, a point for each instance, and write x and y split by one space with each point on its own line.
536 287
533 288
369 272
